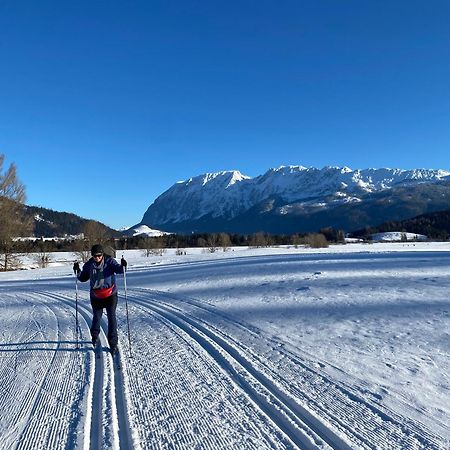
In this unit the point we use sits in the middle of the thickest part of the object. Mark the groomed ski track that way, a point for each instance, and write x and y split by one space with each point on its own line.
44 377
197 379
316 413
72 402
109 425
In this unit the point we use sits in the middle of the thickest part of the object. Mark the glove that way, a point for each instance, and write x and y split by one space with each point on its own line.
123 262
76 268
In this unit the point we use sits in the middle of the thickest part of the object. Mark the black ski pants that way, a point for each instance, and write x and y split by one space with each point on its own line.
110 304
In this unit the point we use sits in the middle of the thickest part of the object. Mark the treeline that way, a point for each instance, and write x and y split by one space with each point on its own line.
217 240
210 241
436 226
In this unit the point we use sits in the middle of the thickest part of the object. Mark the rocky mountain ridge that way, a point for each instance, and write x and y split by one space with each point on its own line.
231 201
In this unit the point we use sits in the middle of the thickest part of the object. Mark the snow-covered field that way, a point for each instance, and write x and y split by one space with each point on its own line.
345 347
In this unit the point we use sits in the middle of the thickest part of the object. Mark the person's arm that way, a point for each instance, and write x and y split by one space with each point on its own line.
116 267
84 275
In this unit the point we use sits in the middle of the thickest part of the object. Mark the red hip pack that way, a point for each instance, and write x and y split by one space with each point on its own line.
103 292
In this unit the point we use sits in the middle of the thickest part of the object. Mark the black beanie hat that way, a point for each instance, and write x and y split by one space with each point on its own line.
96 249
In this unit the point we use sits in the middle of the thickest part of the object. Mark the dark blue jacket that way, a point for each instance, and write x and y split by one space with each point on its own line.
110 269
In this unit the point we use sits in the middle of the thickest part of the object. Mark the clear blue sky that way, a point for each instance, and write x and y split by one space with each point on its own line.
105 104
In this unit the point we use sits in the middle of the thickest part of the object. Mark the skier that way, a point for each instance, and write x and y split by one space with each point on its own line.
101 270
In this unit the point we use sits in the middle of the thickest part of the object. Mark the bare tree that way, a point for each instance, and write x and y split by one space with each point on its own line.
201 242
212 242
258 240
82 250
43 259
12 220
154 246
224 241
10 186
94 233
316 240
296 240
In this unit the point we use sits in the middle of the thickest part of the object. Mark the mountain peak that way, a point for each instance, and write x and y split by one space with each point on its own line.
289 190
226 176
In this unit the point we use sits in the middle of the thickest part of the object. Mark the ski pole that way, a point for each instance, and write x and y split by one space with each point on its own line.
126 307
76 308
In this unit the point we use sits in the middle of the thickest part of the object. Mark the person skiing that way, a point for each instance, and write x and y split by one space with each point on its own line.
101 270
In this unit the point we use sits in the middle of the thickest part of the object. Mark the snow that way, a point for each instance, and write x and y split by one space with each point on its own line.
230 193
398 236
344 347
144 230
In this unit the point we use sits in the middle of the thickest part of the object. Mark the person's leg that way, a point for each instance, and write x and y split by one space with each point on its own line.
97 312
112 321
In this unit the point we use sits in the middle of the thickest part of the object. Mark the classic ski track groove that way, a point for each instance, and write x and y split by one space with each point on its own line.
43 397
410 430
411 437
95 428
93 425
36 397
301 427
188 340
108 391
231 353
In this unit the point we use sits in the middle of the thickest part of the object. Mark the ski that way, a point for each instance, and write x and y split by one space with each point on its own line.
98 349
116 359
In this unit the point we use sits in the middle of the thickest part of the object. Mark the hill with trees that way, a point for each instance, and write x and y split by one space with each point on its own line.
48 223
435 225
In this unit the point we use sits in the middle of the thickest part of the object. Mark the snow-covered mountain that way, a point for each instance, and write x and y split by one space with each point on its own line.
143 230
288 190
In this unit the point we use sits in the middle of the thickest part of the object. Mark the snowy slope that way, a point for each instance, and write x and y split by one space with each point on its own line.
228 194
220 193
143 230
390 236
345 347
